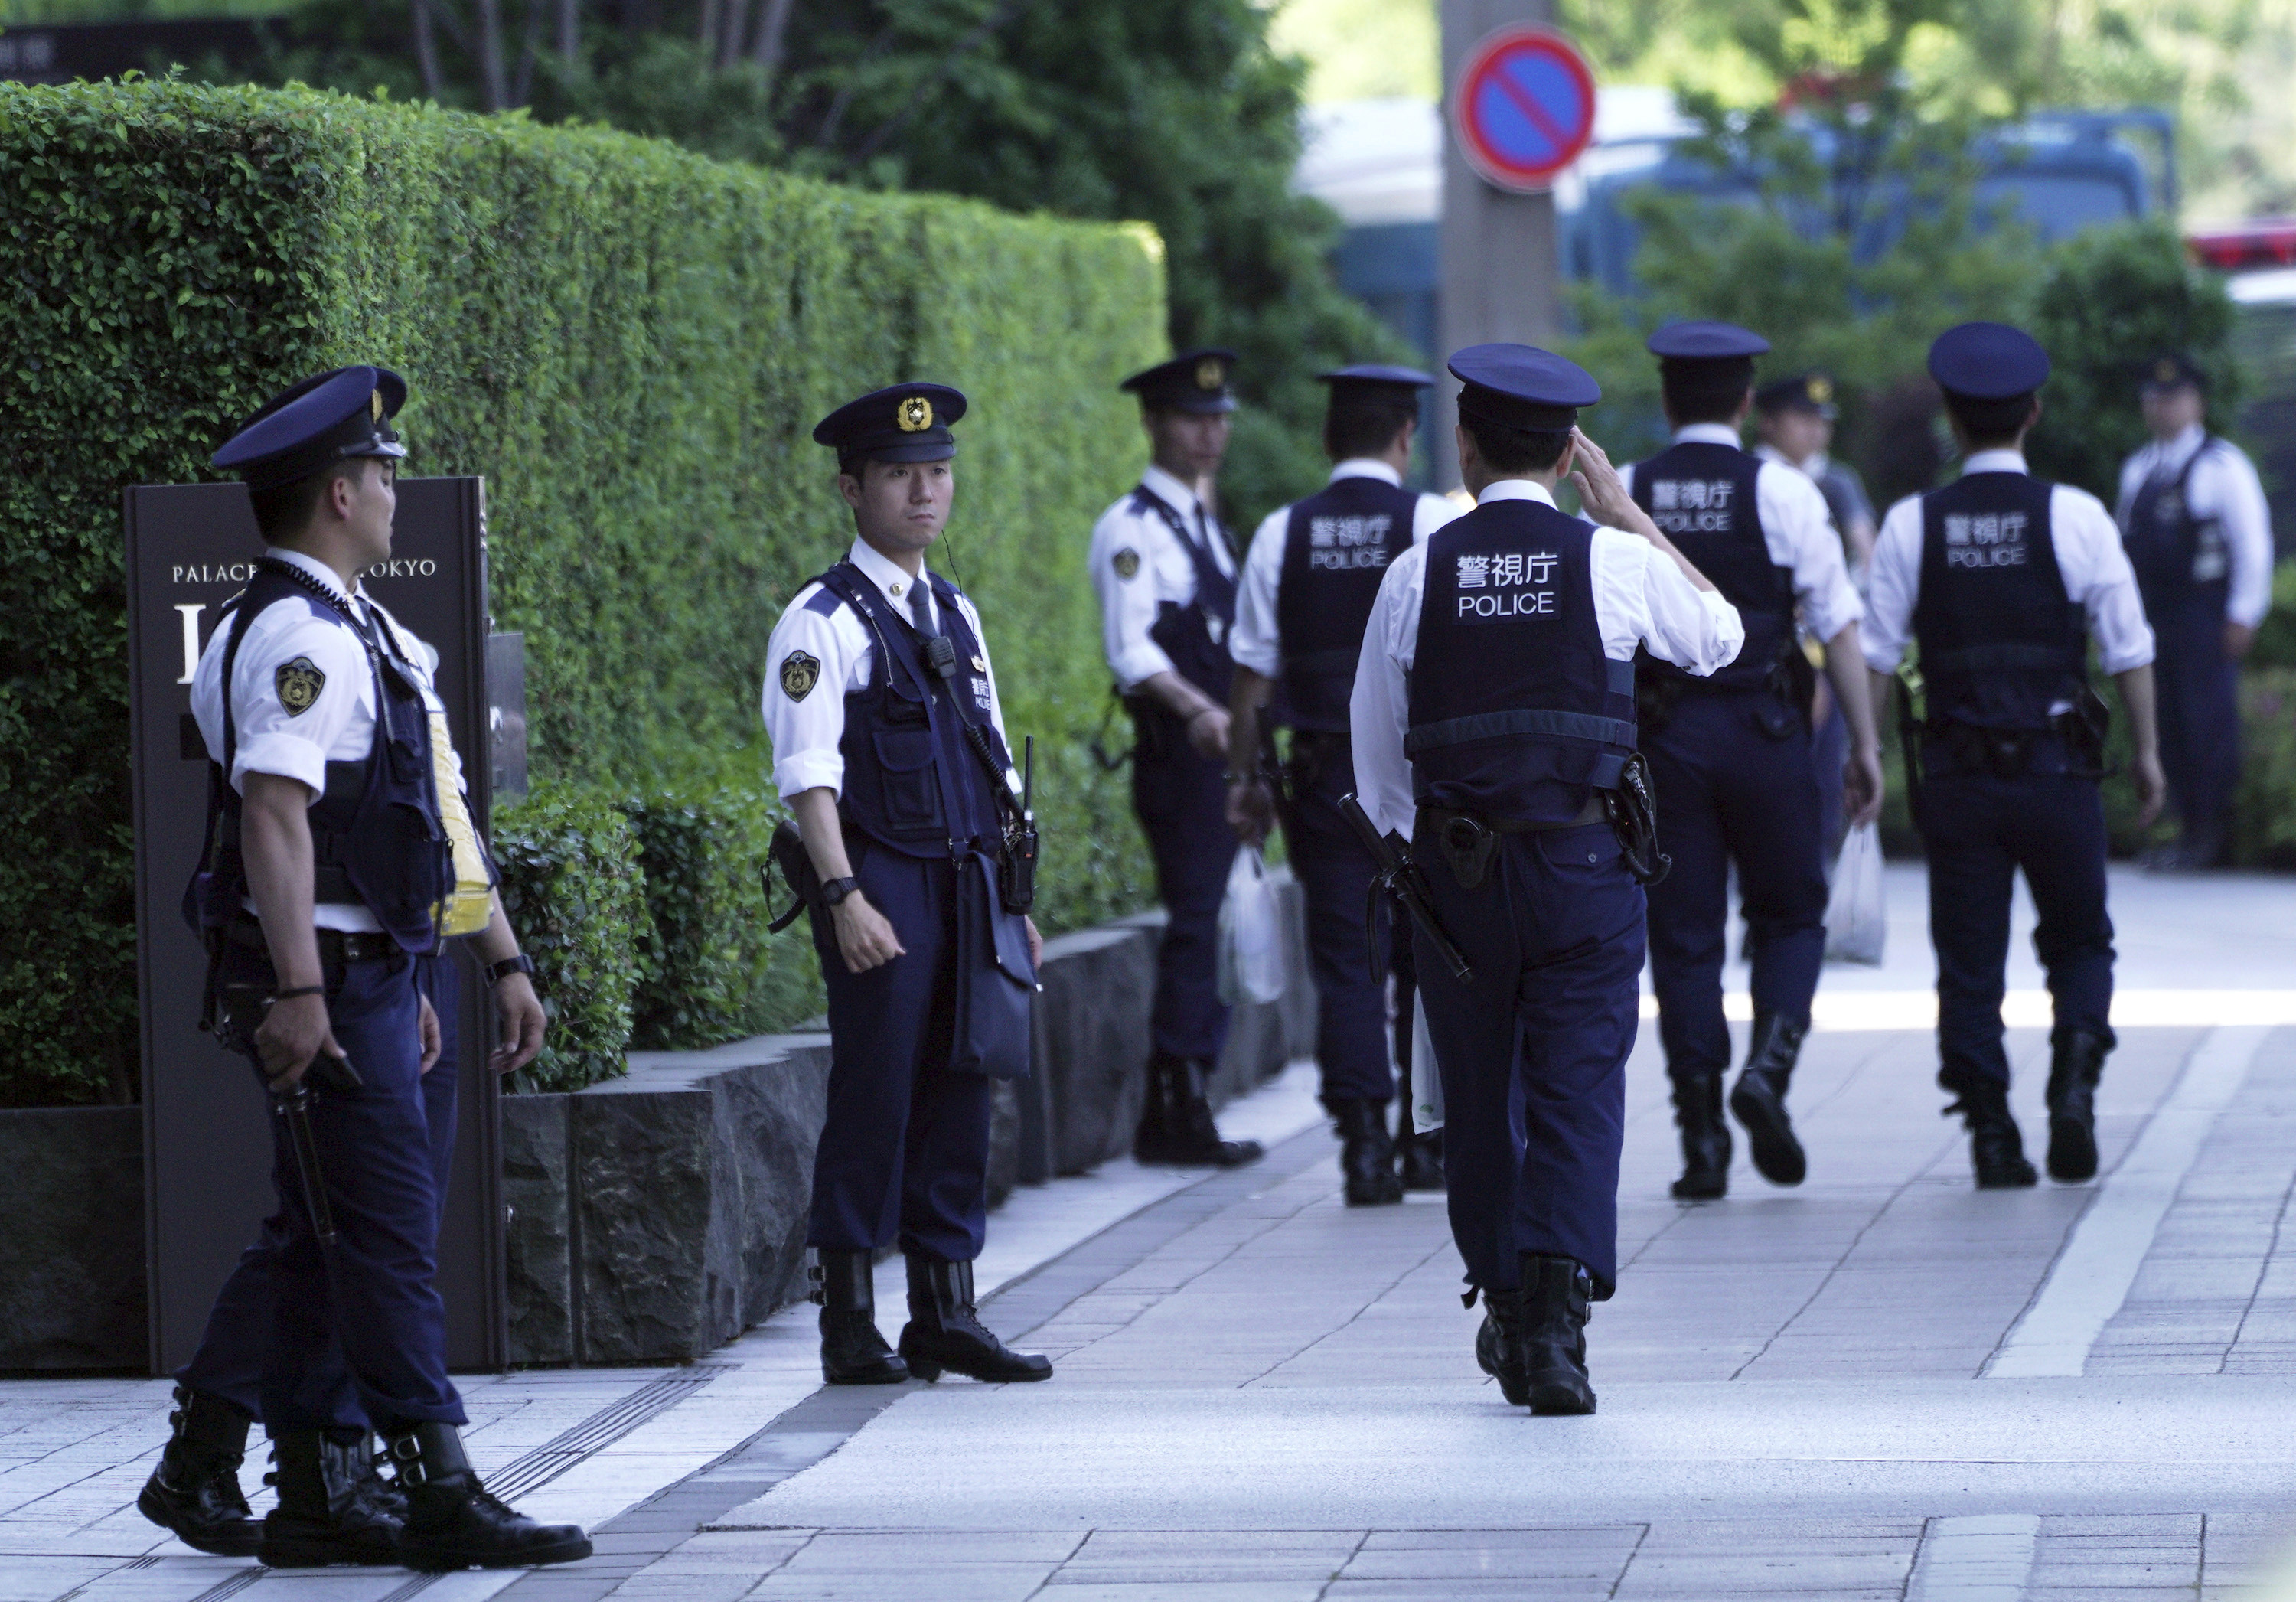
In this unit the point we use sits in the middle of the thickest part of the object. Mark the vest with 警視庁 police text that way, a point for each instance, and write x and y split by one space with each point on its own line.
1702 496
1515 713
1336 549
2002 644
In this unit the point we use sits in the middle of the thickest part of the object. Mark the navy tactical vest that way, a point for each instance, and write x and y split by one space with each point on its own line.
1516 713
911 783
2001 642
1335 552
376 837
1194 636
2180 560
1702 496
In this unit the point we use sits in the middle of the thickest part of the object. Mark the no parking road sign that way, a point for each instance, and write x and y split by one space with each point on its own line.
1523 108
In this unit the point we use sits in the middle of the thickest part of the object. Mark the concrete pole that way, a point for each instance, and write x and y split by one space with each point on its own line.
1500 275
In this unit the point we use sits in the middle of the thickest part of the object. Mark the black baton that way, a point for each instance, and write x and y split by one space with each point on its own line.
294 1105
1399 876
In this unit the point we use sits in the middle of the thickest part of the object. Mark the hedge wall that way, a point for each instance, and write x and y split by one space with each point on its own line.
632 343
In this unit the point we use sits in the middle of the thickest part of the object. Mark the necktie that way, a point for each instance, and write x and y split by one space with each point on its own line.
920 609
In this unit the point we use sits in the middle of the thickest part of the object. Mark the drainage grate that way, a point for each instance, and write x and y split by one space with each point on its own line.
554 1456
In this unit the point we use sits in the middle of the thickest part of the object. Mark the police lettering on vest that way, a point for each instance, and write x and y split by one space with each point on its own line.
1702 496
2002 644
1336 550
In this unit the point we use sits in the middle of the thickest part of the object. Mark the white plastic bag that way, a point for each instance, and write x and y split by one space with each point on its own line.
1856 918
1250 933
1426 1086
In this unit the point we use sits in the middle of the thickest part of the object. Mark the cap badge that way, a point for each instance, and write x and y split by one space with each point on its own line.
1126 563
1821 390
799 673
374 404
2164 372
1210 374
298 683
914 414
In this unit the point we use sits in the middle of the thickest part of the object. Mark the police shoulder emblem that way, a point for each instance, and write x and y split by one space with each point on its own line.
799 673
298 683
1210 374
914 414
1126 563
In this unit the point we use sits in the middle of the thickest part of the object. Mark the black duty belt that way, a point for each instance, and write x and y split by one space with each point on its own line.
335 945
1438 818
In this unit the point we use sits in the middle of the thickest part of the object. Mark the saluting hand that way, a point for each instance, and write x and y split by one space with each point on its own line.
865 937
523 1021
1602 492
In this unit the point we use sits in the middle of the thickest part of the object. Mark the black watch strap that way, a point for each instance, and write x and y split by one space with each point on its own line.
833 891
508 966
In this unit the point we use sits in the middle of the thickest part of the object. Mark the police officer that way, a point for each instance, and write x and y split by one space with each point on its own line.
1165 573
1493 716
2200 536
1309 583
339 854
1730 756
889 746
1793 422
2000 579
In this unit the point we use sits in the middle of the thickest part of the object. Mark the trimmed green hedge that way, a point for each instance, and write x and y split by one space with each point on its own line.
573 888
630 341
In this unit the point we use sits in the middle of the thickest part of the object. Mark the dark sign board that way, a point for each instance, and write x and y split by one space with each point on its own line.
207 1144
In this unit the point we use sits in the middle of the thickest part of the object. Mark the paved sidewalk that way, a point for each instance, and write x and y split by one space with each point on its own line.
1881 1385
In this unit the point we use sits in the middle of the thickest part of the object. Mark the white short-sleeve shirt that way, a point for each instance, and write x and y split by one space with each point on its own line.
2223 485
303 693
1137 563
821 650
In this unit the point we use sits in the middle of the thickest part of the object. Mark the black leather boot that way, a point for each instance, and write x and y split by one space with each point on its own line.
1498 1345
852 1351
1759 1099
194 1491
1705 1140
1995 1149
452 1523
1175 1127
1556 1294
2074 1065
945 1333
1366 1155
326 1512
1421 1156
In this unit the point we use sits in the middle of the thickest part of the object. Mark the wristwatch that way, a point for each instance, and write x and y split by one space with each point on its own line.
499 971
833 891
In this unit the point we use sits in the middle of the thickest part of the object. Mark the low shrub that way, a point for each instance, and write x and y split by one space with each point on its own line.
703 954
575 892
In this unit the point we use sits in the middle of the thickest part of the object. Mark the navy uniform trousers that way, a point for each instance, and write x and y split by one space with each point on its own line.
229 1361
301 1318
2199 690
1533 1048
1182 801
1728 792
1335 875
904 1153
1977 831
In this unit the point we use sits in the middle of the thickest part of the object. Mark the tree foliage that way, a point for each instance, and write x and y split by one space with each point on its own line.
1174 112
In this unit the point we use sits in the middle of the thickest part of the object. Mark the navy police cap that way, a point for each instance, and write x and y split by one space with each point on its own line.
2174 371
1706 343
1521 386
1988 361
1811 392
1194 380
908 422
1372 377
319 422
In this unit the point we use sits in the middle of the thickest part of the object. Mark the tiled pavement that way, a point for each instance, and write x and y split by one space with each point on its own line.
1265 1395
